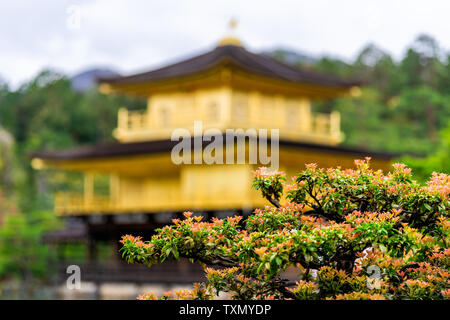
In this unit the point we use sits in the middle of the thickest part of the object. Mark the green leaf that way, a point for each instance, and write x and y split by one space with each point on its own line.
175 253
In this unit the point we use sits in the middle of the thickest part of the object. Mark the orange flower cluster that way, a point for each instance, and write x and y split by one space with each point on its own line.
357 217
147 296
439 183
305 290
264 173
358 296
136 241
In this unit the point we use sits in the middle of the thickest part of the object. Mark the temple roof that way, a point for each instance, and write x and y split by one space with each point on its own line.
117 149
240 57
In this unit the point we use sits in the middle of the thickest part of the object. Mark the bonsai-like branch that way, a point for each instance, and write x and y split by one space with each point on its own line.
273 201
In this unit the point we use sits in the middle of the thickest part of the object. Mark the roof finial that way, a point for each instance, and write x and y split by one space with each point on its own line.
233 24
230 39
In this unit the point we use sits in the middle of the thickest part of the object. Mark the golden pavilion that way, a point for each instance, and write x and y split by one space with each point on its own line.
228 87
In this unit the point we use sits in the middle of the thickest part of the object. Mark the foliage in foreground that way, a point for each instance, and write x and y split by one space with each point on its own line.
352 234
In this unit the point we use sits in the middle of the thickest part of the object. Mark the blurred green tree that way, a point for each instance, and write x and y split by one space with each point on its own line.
23 255
438 161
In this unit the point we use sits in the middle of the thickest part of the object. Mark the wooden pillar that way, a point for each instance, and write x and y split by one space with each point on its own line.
88 188
114 189
254 107
92 249
321 124
122 121
226 106
279 102
335 125
136 120
305 116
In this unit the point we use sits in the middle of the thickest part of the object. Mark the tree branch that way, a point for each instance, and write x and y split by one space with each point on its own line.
216 260
273 201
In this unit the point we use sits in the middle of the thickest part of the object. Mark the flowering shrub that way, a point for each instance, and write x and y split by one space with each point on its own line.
351 234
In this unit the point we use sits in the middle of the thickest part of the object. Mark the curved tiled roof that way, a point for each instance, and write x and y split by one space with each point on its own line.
240 57
117 149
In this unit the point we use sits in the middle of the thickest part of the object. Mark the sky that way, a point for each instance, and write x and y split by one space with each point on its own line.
130 36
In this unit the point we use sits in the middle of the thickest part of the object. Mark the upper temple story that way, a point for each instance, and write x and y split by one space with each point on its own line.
230 88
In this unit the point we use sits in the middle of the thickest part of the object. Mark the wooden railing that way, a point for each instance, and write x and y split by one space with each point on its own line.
66 203
315 127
